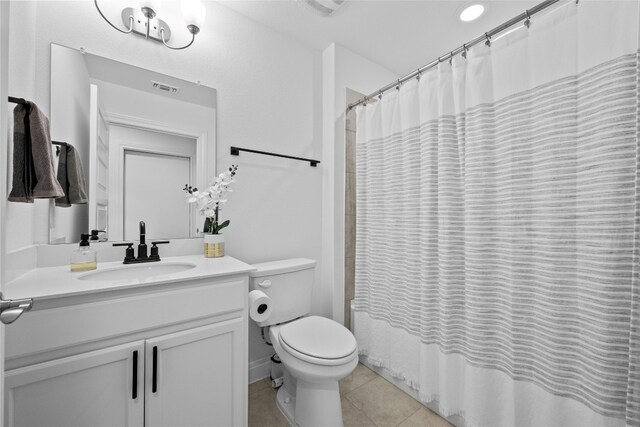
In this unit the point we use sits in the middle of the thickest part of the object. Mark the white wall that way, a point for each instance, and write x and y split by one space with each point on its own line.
4 56
21 226
342 69
269 98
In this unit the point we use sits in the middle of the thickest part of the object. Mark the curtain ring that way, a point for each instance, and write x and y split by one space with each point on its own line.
488 42
464 51
527 22
380 94
451 58
418 75
398 85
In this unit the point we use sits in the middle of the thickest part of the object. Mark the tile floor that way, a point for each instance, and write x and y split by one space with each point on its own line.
368 400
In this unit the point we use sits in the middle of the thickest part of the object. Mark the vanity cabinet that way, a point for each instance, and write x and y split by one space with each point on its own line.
159 356
88 389
191 377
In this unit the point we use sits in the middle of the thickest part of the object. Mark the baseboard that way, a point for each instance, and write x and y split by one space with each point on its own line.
259 369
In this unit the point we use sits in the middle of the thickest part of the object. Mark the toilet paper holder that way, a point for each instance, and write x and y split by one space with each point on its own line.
259 306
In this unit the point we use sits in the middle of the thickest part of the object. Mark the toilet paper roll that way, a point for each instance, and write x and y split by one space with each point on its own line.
259 306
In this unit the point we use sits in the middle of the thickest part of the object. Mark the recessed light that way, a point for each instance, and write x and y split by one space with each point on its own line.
472 12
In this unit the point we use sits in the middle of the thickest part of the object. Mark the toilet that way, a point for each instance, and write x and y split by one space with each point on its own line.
316 352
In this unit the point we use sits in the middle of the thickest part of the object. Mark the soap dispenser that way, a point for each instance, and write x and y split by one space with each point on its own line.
84 258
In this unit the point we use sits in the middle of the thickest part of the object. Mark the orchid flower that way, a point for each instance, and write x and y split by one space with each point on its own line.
210 200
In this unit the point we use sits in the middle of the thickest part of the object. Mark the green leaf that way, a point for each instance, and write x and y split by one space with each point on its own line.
208 225
221 226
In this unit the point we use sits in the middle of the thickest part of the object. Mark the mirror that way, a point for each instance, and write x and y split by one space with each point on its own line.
139 136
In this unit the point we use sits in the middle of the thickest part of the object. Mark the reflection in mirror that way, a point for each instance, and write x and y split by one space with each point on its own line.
140 136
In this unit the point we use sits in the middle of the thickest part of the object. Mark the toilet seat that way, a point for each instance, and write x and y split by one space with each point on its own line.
318 340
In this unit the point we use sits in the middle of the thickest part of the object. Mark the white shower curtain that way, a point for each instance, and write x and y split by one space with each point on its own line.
497 248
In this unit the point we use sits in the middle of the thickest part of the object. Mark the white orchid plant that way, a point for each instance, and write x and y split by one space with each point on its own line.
210 200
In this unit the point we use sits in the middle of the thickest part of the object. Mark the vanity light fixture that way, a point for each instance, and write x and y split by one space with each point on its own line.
471 12
322 7
143 20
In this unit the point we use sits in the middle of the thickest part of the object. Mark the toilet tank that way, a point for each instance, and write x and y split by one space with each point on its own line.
288 283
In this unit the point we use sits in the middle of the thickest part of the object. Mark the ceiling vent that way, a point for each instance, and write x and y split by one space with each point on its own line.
323 7
164 87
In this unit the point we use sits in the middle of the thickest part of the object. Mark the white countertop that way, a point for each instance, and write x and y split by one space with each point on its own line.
56 282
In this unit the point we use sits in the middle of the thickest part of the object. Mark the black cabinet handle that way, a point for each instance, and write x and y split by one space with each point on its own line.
154 379
134 387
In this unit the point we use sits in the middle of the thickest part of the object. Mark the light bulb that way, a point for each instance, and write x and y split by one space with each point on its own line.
472 12
194 12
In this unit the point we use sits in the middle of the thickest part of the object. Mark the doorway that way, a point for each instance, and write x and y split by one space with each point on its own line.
154 168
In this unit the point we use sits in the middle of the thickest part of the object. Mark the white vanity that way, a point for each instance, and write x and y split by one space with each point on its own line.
165 349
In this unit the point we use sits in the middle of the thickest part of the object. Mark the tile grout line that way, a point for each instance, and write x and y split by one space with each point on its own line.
373 423
346 395
410 415
377 375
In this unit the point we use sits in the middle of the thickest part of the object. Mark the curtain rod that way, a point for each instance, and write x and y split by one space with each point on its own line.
486 37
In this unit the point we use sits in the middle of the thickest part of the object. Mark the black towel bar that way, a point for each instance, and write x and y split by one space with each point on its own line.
235 151
17 100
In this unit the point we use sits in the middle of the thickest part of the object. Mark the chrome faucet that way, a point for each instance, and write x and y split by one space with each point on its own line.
129 257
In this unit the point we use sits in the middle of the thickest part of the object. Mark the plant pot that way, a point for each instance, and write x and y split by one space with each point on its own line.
213 245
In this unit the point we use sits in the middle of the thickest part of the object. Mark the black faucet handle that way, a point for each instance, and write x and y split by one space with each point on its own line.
154 249
128 253
94 234
143 232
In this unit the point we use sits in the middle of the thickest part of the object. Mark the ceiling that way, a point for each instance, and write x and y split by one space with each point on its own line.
400 35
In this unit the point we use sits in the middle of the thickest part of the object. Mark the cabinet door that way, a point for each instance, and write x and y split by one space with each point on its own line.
197 377
90 389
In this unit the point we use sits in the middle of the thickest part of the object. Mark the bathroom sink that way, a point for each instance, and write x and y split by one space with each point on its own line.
137 272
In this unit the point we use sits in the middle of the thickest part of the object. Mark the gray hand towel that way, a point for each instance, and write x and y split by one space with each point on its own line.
71 178
63 201
47 185
23 174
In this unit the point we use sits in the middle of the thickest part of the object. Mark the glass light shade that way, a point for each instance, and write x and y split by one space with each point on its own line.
193 12
154 5
472 12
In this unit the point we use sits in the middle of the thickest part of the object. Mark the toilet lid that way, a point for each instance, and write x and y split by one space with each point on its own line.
319 337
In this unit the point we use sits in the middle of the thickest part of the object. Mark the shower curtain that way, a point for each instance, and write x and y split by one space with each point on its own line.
497 242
